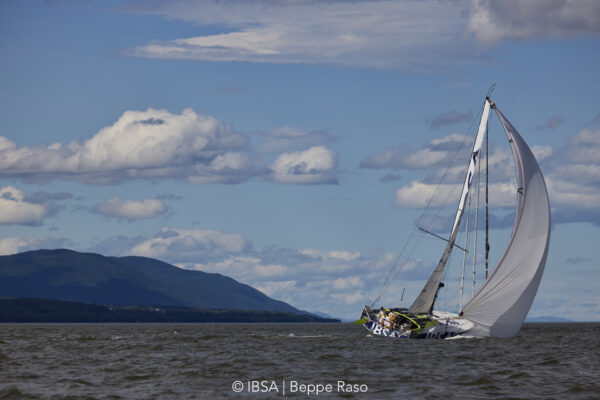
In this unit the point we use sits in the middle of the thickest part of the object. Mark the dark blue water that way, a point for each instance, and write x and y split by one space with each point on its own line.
206 361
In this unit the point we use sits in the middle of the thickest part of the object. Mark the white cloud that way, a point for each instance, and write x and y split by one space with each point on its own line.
156 144
495 21
14 209
273 289
315 165
117 207
579 159
380 34
572 194
573 178
147 144
541 152
405 35
572 174
346 283
418 194
310 279
435 153
14 245
185 245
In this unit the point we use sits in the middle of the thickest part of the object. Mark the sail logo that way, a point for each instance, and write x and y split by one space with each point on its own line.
379 330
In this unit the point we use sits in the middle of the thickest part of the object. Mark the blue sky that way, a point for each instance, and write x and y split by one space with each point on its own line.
290 144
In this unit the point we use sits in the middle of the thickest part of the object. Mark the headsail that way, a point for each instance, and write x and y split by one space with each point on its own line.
424 302
502 303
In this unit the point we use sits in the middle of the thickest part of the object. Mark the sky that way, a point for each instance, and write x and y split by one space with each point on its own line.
294 144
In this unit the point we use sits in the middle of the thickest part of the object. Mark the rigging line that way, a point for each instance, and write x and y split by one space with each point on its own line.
409 256
443 238
445 293
419 221
385 282
443 177
491 89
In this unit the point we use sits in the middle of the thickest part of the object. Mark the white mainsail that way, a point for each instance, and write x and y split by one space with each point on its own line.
500 306
424 302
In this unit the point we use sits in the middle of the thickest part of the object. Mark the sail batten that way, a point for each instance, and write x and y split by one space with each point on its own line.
500 306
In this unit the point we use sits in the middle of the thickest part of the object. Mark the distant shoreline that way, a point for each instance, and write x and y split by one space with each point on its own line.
21 310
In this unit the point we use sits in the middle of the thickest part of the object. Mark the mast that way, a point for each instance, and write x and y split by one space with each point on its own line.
426 299
476 230
462 278
487 237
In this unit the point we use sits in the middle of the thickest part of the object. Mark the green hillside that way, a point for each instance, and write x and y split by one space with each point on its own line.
92 278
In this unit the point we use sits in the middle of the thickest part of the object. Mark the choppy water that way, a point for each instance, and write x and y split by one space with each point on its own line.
203 361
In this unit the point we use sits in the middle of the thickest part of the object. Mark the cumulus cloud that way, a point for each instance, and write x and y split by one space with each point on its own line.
15 209
418 194
541 152
579 159
117 207
12 245
149 144
338 282
184 245
443 224
573 179
572 173
156 144
335 282
118 245
572 194
315 165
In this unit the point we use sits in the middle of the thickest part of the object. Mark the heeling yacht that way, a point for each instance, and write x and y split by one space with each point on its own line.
500 305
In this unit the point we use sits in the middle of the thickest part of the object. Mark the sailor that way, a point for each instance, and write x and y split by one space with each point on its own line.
392 320
388 323
381 316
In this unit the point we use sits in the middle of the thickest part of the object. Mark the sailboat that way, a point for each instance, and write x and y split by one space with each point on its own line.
499 307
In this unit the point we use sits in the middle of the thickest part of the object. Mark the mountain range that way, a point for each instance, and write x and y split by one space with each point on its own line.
93 278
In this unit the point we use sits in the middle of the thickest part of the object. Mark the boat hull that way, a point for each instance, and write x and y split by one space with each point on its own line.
439 325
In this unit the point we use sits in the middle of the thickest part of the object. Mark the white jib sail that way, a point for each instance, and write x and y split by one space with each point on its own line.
502 303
